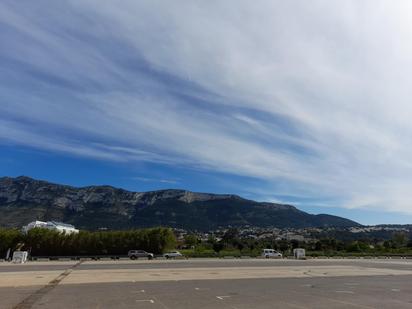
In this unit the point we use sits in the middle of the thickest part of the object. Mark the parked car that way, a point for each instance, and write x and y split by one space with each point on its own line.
270 253
135 254
172 254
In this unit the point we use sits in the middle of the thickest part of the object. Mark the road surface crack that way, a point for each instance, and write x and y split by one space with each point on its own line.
30 300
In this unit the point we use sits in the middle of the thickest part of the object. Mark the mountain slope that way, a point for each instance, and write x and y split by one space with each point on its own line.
24 199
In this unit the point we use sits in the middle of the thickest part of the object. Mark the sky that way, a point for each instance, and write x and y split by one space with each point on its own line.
298 102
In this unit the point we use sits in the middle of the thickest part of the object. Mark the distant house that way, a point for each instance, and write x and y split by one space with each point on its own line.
292 236
51 225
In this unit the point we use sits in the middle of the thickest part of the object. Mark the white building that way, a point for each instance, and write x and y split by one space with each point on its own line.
293 236
34 224
51 225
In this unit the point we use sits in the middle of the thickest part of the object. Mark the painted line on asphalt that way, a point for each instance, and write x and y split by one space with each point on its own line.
223 297
308 285
345 292
352 284
145 300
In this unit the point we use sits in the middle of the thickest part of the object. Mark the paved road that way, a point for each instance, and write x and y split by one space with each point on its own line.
208 284
212 263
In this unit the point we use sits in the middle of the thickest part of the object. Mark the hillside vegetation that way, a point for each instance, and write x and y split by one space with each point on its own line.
23 200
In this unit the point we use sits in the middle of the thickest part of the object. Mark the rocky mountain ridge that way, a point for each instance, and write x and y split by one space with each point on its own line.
23 199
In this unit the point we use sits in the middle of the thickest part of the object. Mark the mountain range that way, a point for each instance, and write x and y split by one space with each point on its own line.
23 199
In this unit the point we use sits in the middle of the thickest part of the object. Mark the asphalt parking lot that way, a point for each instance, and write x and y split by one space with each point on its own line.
207 283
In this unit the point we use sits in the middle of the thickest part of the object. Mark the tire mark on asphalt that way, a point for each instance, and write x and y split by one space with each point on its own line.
30 300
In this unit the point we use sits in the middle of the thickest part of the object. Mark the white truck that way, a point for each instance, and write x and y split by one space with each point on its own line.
20 257
299 253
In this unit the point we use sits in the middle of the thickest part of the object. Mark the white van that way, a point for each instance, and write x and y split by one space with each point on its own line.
270 253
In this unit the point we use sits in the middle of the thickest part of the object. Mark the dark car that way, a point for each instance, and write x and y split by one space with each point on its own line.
135 254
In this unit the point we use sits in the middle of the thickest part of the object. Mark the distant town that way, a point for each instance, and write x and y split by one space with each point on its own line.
377 233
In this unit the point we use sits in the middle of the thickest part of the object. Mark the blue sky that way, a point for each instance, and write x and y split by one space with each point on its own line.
277 102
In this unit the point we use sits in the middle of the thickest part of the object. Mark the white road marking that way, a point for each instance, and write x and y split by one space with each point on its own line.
141 291
395 290
145 300
222 297
201 289
352 284
161 303
307 285
292 305
347 292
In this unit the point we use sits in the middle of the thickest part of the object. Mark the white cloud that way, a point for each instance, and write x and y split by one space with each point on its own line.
311 97
161 180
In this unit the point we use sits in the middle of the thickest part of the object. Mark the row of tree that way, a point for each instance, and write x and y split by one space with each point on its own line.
44 242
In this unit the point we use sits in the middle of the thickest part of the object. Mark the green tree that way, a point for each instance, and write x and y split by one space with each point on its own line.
218 246
9 239
400 239
191 240
230 236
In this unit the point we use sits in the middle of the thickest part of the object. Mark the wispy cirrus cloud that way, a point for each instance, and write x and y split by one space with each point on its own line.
312 98
157 180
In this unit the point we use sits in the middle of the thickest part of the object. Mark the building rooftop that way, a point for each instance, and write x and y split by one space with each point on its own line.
62 224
